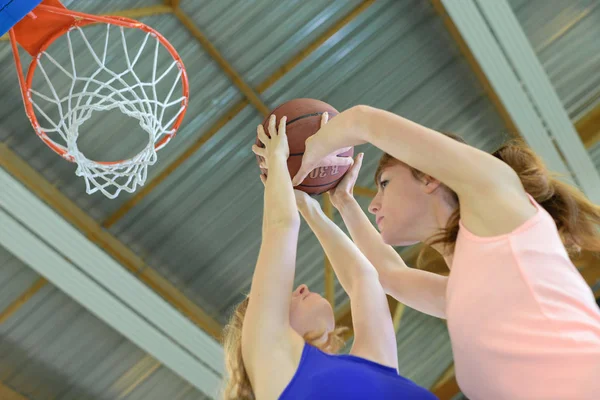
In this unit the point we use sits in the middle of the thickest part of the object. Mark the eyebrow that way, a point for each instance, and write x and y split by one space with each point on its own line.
378 180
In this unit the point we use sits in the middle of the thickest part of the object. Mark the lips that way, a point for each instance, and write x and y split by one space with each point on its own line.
378 220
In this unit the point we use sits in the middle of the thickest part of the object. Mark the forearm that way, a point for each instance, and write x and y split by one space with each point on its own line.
456 164
273 278
348 263
280 203
383 257
421 290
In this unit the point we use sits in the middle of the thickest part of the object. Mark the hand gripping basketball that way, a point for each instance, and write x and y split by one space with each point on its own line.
263 152
345 188
276 143
315 157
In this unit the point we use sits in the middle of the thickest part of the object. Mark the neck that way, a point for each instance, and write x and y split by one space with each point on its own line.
442 213
319 342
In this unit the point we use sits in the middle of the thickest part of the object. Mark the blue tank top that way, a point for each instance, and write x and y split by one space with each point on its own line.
325 376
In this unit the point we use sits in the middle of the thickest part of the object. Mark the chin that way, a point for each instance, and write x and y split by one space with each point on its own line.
397 240
408 243
323 305
325 313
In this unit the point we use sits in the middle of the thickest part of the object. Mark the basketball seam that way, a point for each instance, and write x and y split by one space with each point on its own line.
324 184
303 116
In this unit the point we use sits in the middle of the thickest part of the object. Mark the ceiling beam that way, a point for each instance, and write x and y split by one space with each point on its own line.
22 299
328 272
7 393
343 318
235 77
397 315
233 111
137 13
475 67
448 390
314 45
363 191
589 127
448 374
591 275
134 376
174 4
48 193
510 100
497 41
509 35
32 232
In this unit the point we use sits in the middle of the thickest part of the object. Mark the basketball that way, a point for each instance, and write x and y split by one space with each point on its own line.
303 121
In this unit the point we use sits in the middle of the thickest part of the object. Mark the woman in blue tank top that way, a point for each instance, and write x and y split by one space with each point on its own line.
280 344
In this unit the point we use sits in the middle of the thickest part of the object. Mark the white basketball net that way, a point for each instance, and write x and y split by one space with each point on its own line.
88 92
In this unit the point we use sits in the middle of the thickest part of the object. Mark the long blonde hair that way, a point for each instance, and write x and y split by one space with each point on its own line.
576 217
237 383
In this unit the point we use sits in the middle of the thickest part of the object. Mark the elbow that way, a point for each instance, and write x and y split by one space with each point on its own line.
360 279
361 109
362 117
388 277
358 114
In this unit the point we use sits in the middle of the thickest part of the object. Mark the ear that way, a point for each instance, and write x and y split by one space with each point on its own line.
430 184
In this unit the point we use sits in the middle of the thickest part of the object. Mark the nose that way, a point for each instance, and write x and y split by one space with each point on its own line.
300 290
375 204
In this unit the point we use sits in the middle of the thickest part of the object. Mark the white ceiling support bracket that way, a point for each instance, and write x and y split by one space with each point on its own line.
518 50
42 239
542 127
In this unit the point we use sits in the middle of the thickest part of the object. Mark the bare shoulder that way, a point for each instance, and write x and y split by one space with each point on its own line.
272 366
497 208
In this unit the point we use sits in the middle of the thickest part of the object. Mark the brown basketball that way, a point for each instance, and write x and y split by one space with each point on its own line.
303 121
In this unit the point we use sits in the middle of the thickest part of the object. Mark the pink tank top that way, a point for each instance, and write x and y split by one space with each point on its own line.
523 322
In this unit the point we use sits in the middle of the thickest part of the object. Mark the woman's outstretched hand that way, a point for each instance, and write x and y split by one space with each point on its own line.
317 152
344 189
276 146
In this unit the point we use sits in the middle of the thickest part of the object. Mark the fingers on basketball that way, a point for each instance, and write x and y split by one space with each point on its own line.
324 118
355 169
273 126
262 136
334 160
301 174
259 151
342 161
282 123
357 164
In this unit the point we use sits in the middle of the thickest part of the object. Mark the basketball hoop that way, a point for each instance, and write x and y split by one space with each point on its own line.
97 87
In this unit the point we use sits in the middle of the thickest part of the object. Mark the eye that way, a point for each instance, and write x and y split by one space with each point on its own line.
383 183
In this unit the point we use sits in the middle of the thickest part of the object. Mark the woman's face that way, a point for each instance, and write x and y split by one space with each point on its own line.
403 206
310 312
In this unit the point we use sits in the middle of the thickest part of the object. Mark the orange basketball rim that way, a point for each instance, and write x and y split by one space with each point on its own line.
40 29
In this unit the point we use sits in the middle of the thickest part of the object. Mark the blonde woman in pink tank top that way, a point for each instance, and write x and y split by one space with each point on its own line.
522 321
